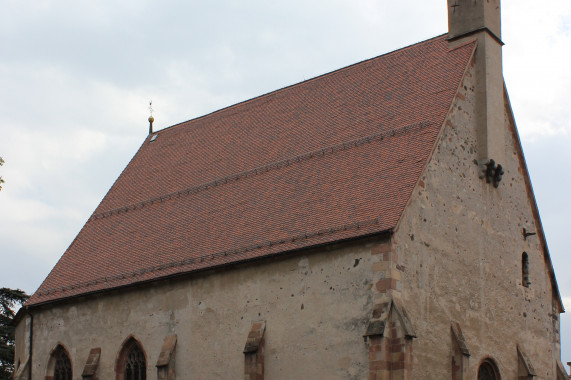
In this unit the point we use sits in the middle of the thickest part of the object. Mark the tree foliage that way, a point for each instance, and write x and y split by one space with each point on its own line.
9 300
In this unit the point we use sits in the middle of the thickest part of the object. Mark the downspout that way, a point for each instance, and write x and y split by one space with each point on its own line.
30 346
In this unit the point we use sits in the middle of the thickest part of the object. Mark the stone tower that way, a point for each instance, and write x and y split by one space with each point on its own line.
480 19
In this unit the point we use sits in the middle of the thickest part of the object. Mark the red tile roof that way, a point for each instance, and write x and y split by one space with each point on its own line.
328 159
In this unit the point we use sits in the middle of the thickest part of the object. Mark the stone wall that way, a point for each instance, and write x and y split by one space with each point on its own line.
22 346
460 243
315 306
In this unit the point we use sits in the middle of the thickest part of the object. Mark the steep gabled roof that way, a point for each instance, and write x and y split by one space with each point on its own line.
332 158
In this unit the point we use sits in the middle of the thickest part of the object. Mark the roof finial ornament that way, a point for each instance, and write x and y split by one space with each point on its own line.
151 118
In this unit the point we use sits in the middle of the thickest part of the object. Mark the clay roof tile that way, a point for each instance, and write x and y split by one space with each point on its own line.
332 158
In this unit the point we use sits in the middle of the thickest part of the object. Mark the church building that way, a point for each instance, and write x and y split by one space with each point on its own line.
376 222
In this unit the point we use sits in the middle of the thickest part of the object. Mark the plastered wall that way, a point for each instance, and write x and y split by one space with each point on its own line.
461 243
316 307
22 346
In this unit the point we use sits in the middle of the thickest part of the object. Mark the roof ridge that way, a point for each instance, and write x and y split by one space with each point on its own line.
301 83
212 256
262 169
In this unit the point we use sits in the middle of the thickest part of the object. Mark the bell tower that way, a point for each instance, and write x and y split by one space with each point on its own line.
480 19
471 16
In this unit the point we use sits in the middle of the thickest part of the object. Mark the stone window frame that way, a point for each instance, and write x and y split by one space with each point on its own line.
121 359
58 350
390 334
460 353
254 352
167 357
91 364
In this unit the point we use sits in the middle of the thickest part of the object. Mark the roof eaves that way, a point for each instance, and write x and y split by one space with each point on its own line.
439 137
34 305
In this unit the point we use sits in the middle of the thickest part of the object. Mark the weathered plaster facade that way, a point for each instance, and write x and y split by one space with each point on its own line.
22 347
455 257
460 243
316 306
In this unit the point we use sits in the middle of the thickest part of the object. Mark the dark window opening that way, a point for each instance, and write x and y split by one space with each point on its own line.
488 371
62 369
525 270
135 363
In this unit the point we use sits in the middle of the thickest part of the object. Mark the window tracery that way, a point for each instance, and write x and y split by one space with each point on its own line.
62 367
133 365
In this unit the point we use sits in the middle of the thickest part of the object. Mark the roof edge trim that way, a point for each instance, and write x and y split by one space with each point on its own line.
476 31
35 305
441 131
531 196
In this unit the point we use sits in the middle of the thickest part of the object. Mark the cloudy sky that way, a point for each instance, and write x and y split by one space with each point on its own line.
76 77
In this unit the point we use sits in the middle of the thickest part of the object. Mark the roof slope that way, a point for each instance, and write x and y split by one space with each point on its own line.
331 158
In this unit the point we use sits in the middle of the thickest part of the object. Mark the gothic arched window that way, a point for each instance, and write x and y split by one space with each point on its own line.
59 366
132 363
488 371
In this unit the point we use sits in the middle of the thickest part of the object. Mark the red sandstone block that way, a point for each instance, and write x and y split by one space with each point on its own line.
378 355
381 248
394 333
375 340
395 366
398 357
375 348
380 365
398 348
383 375
386 284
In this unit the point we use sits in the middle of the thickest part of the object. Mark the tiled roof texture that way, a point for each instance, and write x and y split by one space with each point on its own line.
328 159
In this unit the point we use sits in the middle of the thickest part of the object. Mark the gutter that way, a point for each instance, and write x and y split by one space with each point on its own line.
30 346
384 233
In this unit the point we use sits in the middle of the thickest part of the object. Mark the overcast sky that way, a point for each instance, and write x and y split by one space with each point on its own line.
76 77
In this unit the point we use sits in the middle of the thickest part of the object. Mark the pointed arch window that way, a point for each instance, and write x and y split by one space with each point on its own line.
132 364
59 366
488 371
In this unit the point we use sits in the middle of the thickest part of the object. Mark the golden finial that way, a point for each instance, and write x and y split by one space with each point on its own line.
151 118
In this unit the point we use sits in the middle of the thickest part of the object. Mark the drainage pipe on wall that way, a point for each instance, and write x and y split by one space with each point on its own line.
30 346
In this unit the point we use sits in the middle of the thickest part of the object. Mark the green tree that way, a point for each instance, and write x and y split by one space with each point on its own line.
9 300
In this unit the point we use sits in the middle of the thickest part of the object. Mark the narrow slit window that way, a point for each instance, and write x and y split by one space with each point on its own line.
525 270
